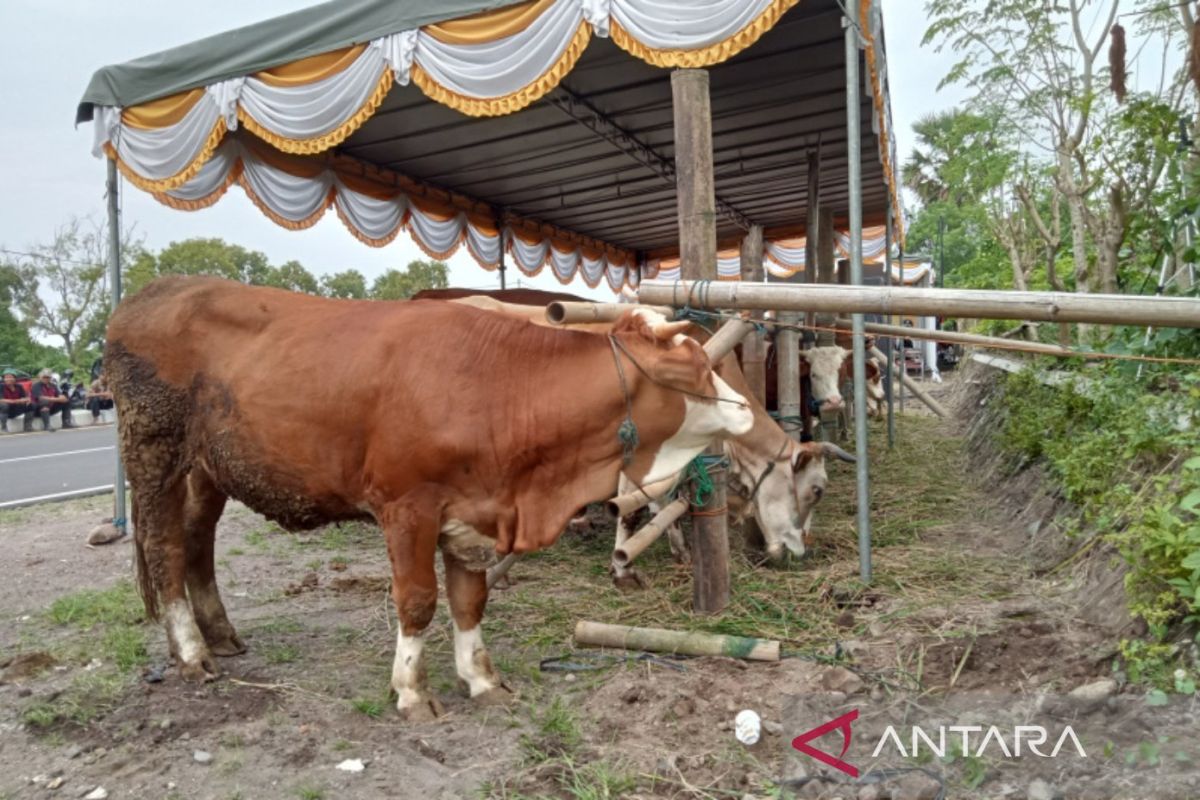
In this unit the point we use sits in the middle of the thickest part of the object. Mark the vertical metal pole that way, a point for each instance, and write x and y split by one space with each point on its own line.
891 342
112 187
903 366
503 267
854 146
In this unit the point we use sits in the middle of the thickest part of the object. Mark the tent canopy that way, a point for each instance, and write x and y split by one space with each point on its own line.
402 116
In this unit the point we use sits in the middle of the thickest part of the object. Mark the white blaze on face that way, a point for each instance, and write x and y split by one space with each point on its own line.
824 364
703 421
188 639
472 662
407 670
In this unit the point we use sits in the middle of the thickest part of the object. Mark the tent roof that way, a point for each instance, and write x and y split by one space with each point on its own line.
593 156
275 41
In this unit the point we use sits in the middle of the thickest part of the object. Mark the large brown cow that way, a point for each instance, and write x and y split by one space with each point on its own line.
782 480
452 427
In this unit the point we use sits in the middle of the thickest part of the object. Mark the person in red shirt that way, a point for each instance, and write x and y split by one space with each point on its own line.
46 397
14 402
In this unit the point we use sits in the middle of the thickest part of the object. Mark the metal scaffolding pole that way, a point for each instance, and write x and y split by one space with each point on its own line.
854 148
114 276
890 350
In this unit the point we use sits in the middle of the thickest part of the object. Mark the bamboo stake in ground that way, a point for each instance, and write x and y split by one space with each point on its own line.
684 643
632 547
911 385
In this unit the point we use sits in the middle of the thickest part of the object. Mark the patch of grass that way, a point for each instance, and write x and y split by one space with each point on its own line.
281 654
125 645
339 562
314 565
90 695
119 604
341 746
371 708
310 793
277 626
558 733
236 551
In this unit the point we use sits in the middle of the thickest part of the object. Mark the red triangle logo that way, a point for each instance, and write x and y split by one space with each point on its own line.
842 723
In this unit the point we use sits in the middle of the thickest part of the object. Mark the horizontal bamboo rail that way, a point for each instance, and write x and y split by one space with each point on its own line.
1105 309
625 504
901 332
632 547
564 312
659 640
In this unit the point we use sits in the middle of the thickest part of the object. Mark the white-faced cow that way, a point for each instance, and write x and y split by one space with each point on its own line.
454 428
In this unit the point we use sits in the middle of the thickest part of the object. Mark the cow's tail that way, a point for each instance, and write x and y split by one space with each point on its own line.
145 580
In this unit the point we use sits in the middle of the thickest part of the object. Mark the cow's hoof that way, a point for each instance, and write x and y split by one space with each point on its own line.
229 645
426 709
204 670
629 581
497 696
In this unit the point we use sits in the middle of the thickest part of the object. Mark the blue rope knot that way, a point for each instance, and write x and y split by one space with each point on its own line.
628 436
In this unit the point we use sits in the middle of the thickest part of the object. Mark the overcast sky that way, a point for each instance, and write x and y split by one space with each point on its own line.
51 50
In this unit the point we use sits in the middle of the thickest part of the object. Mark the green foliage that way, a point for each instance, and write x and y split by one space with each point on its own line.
418 275
89 607
350 285
1122 450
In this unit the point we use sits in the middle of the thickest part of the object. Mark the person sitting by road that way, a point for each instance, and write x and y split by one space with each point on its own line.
99 397
14 402
47 397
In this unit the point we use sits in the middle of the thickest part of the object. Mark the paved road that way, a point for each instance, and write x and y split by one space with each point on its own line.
37 467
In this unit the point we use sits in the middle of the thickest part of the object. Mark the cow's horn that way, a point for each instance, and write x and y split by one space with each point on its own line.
831 449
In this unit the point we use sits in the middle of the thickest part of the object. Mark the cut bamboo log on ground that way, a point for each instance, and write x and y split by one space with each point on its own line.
683 643
570 313
625 504
1101 309
911 385
632 547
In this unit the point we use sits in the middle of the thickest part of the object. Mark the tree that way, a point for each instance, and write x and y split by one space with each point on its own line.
292 276
349 284
418 275
213 257
61 288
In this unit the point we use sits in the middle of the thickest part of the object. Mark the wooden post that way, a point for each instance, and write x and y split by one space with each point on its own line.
826 268
698 261
812 225
754 347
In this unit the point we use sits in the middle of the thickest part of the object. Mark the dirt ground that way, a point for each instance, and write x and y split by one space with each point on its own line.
957 609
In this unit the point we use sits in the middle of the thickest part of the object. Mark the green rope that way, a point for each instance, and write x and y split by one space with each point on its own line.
698 475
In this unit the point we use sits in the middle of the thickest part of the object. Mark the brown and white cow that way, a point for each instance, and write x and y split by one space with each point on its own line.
454 428
782 479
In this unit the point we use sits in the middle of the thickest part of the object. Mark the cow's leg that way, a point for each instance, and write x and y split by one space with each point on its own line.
162 567
468 593
200 514
411 529
679 548
624 576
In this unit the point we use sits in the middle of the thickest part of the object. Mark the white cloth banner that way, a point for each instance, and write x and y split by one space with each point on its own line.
499 68
483 246
294 198
212 175
314 109
441 237
373 218
685 24
530 258
161 153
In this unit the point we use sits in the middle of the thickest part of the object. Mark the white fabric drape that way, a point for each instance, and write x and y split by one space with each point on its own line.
565 265
685 24
161 153
485 247
212 175
296 199
374 218
530 258
398 51
314 109
442 237
729 268
507 65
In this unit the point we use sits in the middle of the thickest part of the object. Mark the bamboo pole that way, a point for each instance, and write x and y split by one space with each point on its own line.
567 313
727 338
632 547
1104 309
754 349
695 192
625 504
963 338
684 643
917 391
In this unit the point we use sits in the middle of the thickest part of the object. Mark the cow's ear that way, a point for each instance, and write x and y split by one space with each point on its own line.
802 458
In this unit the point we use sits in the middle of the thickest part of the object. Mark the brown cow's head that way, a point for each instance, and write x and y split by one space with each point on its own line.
678 401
